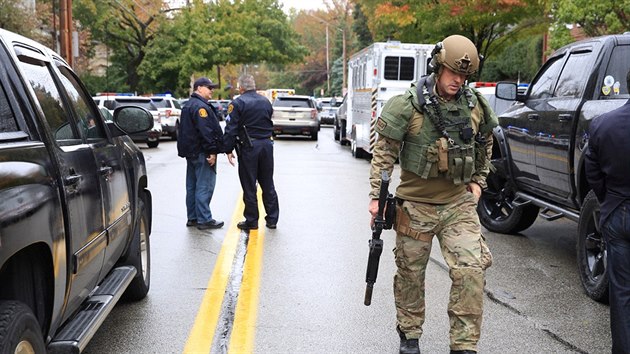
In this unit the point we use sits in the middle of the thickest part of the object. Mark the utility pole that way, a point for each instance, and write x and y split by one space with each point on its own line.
65 29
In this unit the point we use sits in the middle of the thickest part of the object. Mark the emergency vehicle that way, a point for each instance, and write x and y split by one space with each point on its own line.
375 74
271 94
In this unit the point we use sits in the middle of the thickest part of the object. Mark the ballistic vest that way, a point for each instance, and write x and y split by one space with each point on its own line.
446 153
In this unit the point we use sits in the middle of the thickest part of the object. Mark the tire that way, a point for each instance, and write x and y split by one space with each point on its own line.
153 144
591 251
314 135
175 134
139 256
342 133
496 209
19 330
356 152
336 132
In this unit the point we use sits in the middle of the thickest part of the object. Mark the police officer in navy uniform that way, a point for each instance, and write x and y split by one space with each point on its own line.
249 129
200 140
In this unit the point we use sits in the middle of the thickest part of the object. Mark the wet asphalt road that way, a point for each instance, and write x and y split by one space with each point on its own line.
312 276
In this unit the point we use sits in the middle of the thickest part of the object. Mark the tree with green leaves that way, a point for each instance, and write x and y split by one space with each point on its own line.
125 26
596 18
488 24
204 36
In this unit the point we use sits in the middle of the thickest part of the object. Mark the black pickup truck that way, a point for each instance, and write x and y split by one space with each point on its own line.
75 211
538 155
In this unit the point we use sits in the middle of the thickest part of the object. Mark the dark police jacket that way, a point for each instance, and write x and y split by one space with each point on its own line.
249 110
199 129
607 166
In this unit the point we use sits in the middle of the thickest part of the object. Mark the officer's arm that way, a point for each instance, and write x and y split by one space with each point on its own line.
594 174
391 127
210 130
231 129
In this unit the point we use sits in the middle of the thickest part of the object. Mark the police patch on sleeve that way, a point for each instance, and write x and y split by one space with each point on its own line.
230 108
381 124
203 113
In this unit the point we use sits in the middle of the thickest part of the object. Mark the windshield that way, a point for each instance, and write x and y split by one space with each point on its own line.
292 102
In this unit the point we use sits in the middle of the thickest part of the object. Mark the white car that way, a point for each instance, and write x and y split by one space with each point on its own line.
171 111
329 107
113 101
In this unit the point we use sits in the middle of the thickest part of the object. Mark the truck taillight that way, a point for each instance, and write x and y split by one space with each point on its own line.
313 114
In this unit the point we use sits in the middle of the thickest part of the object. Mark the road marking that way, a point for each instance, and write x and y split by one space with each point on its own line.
204 329
202 333
242 339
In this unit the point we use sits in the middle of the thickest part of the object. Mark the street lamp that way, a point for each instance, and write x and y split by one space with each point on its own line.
343 53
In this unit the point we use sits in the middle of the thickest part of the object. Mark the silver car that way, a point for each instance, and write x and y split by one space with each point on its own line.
295 115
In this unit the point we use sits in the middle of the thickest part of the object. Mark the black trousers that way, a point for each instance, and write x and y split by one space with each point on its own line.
255 164
616 231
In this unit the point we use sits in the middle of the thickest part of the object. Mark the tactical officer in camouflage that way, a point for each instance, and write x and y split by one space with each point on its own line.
442 132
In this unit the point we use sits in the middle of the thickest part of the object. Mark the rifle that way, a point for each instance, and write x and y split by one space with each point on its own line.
384 221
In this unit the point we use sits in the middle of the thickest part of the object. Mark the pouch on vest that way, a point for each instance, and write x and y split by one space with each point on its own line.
461 164
442 145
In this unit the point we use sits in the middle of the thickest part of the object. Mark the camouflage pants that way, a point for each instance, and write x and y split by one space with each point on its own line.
457 228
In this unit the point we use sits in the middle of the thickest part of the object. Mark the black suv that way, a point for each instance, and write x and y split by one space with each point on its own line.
75 216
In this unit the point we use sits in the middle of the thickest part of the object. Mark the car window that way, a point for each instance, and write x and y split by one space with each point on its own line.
8 122
571 82
160 103
39 75
89 124
141 103
292 102
175 104
617 70
109 104
545 83
399 68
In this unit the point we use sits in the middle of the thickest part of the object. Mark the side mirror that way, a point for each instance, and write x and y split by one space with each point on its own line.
507 90
133 119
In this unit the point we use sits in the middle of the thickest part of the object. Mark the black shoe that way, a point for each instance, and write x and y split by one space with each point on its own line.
212 224
191 223
243 225
463 352
408 346
272 226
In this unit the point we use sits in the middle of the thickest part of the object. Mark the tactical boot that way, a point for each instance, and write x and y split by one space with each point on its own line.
407 346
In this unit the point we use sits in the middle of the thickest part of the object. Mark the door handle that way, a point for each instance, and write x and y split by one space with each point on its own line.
533 116
106 170
565 117
72 180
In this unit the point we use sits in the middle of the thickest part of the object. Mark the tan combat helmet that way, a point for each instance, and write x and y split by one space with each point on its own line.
457 53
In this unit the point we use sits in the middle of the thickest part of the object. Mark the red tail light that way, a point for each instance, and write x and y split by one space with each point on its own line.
313 114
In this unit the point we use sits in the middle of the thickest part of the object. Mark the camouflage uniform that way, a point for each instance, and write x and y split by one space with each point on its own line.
435 202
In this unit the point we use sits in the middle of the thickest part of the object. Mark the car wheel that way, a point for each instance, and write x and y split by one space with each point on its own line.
20 331
497 211
139 256
342 133
175 134
153 144
591 251
314 135
336 132
355 151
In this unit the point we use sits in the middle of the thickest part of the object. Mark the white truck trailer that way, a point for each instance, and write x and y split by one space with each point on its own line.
375 74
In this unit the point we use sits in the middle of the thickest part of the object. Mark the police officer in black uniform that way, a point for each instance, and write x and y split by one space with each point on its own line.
200 139
249 128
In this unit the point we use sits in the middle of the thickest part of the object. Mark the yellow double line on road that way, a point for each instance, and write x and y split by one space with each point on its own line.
204 328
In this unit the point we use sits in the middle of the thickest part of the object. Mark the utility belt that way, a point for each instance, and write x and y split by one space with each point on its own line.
455 162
